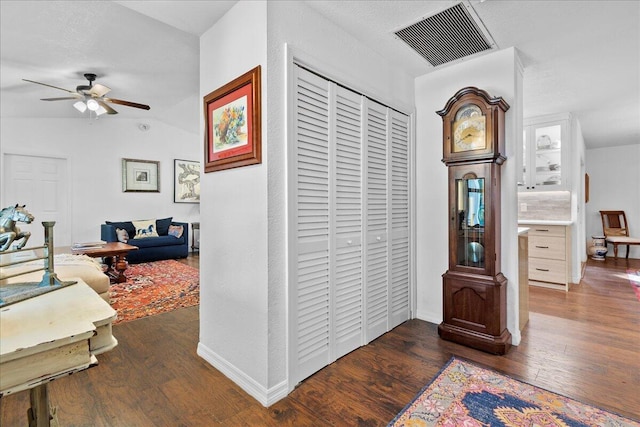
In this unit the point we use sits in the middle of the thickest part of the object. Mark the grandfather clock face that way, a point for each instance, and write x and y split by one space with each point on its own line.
469 129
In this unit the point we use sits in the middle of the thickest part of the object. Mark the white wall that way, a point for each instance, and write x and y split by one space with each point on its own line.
614 181
243 252
499 74
94 150
578 168
233 244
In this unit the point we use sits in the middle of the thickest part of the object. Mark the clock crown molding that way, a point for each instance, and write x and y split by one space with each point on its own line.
472 90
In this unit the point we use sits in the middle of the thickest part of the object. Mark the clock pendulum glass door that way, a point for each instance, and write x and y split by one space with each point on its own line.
470 208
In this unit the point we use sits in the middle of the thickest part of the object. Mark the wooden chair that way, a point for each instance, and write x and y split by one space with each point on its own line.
616 230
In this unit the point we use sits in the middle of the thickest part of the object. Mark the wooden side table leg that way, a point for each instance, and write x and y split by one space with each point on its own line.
121 265
108 261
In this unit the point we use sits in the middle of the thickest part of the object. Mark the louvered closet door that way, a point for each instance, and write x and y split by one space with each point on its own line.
347 211
349 222
376 264
399 214
311 293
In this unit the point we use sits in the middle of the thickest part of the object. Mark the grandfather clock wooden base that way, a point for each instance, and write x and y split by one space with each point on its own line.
475 311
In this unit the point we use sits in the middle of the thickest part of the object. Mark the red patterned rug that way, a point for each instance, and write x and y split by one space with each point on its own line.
154 288
634 280
467 395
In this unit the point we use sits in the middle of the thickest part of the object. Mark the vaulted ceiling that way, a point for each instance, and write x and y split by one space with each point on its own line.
578 56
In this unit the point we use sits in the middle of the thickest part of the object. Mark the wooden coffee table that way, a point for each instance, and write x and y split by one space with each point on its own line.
114 253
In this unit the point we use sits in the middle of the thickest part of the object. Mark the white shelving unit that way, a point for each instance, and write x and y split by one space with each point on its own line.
546 151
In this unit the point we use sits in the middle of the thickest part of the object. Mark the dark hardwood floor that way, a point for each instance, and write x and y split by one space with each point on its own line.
584 344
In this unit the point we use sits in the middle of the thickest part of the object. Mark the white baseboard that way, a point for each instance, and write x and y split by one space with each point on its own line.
266 396
429 317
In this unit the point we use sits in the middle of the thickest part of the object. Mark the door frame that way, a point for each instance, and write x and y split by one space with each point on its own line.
33 153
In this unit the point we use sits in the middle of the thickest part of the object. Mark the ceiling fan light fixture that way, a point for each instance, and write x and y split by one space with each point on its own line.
93 105
80 106
90 97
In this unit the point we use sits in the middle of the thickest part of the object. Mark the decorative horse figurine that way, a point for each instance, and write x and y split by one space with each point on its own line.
9 232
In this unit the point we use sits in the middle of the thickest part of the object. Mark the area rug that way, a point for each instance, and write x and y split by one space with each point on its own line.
634 280
153 288
464 394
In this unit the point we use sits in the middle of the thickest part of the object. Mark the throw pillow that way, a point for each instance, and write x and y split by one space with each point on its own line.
145 228
175 231
162 226
122 234
126 225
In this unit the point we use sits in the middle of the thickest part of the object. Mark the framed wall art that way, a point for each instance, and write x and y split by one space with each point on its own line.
140 176
186 181
233 124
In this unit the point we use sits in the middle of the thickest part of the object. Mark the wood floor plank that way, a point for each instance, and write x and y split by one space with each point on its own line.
584 344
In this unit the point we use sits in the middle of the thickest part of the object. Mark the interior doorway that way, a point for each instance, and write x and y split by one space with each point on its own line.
42 184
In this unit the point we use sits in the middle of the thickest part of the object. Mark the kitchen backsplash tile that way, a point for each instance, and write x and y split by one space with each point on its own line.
544 205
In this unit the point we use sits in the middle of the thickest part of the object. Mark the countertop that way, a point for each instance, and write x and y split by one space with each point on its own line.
543 222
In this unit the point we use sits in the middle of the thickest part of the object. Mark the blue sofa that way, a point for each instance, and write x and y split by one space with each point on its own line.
164 246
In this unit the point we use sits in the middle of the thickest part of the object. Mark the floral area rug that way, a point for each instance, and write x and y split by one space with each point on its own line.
464 394
153 288
634 279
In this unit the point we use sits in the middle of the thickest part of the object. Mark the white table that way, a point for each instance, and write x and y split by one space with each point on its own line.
50 336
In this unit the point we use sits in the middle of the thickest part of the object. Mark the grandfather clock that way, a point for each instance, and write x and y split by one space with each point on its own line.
474 289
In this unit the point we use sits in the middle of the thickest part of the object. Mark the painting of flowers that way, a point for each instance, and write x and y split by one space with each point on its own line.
233 124
230 125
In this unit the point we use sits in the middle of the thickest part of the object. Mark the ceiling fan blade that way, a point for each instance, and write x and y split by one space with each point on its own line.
107 107
98 90
64 98
55 87
126 103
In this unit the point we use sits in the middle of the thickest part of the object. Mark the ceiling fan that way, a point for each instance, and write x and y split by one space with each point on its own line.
91 97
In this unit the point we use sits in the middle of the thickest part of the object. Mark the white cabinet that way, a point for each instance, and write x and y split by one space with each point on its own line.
546 154
550 256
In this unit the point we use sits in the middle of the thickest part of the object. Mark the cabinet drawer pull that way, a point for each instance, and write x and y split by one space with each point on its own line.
540 229
542 269
542 247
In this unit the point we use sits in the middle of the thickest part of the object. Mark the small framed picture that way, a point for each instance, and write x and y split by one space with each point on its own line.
233 124
140 176
186 181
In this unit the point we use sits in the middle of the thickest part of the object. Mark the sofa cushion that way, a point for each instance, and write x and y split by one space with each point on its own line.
153 242
176 231
122 234
126 225
145 228
162 225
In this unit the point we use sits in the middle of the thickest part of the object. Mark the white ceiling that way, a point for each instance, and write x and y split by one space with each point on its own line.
578 56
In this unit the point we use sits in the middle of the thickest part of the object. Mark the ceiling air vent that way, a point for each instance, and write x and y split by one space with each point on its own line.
447 36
